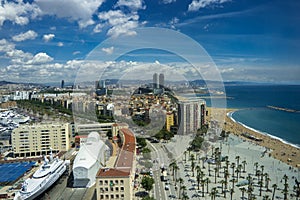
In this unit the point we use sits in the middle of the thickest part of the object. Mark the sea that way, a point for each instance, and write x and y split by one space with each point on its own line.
269 109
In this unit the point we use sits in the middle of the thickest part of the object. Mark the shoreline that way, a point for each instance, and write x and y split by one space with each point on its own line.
280 149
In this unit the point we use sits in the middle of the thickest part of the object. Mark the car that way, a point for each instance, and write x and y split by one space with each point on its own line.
167 187
172 196
195 195
192 188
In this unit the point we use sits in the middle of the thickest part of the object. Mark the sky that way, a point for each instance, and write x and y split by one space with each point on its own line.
45 41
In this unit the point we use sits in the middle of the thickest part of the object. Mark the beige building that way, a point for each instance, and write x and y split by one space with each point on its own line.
37 140
169 121
116 181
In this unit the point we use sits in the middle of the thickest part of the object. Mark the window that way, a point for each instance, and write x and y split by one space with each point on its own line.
116 182
117 196
106 182
101 196
100 182
122 182
122 189
111 196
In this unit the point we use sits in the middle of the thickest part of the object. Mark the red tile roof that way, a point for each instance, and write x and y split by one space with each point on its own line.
112 172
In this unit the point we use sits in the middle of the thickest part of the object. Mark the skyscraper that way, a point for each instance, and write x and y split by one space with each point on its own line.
161 80
190 116
62 84
155 81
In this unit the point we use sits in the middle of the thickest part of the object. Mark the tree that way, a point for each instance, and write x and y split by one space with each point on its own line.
274 186
147 183
256 166
231 193
185 152
196 143
213 193
193 164
243 190
141 142
232 166
244 162
148 198
180 184
173 166
285 190
237 160
207 181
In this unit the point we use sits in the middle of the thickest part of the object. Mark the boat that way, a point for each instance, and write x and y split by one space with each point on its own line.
42 179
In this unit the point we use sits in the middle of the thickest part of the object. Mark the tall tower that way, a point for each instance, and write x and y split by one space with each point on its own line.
155 81
161 80
190 116
62 84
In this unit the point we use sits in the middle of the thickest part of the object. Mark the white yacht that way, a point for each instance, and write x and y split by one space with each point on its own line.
42 179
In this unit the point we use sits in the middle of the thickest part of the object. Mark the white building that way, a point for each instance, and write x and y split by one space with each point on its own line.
91 156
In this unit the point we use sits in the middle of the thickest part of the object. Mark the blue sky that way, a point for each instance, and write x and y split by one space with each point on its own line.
252 40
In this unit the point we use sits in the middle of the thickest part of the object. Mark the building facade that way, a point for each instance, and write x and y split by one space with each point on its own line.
191 116
116 181
37 140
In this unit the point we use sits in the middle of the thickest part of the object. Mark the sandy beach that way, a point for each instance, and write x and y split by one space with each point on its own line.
278 149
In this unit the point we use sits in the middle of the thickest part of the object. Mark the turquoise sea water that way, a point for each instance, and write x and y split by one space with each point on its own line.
253 102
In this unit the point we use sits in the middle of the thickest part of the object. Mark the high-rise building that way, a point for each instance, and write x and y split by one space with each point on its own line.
169 120
191 116
62 84
37 140
161 80
155 81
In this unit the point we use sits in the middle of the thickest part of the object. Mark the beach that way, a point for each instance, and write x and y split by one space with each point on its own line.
278 149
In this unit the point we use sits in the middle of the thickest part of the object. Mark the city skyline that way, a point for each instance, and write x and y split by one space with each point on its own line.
248 40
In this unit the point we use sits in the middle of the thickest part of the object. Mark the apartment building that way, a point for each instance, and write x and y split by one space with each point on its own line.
116 182
36 140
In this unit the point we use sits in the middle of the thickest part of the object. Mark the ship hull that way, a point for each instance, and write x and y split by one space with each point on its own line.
49 181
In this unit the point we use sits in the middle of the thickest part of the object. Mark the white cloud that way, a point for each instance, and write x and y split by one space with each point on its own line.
168 1
198 4
18 12
40 58
29 35
131 4
120 23
98 28
18 56
60 44
76 53
76 10
48 37
6 46
108 50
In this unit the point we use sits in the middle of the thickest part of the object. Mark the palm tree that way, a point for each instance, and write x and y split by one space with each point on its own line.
260 183
232 166
231 193
180 180
185 152
256 166
243 190
199 174
202 185
244 162
274 186
222 183
193 164
207 181
175 174
267 181
266 197
182 188
226 176
213 193
262 172
285 190
215 169
238 171
237 160
233 181
173 165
